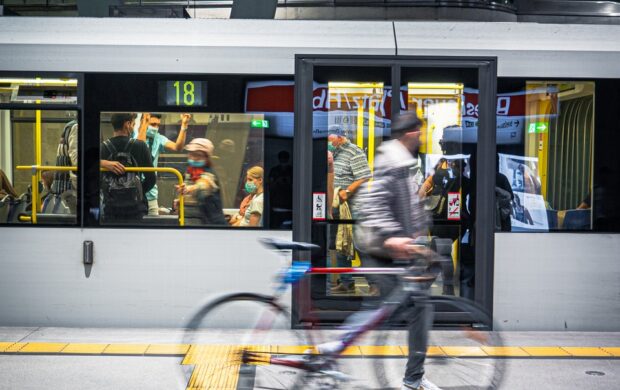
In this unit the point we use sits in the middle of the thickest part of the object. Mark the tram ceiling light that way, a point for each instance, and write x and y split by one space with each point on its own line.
354 89
37 82
434 89
149 11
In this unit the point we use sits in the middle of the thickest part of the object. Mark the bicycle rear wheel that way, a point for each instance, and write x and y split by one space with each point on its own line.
467 358
232 339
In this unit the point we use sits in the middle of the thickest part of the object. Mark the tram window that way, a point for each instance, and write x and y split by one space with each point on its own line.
48 141
215 160
545 133
17 90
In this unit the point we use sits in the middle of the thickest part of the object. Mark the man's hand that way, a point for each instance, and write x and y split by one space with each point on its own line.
398 247
113 166
343 195
404 248
185 118
146 117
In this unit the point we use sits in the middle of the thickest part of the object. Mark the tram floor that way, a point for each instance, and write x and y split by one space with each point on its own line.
70 358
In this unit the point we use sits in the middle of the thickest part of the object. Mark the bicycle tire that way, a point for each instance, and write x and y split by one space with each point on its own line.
473 367
202 331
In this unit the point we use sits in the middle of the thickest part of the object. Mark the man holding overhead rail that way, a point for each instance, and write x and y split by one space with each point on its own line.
391 215
157 143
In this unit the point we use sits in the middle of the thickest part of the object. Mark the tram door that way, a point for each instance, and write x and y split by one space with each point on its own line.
352 111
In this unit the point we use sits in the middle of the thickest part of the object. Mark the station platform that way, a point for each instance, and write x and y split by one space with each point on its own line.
78 358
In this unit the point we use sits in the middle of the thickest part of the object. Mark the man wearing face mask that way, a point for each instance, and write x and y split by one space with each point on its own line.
123 124
351 170
157 143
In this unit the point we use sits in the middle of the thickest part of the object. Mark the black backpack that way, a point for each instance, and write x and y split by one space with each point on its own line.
122 195
437 201
503 209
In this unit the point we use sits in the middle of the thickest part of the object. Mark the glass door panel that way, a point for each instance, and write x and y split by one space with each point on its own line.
351 118
352 102
446 102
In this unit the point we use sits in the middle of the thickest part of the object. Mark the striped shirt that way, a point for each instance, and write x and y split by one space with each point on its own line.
350 164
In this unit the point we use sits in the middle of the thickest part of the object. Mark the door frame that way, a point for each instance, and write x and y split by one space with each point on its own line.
485 172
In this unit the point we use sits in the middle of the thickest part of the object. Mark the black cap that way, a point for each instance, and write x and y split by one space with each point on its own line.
405 123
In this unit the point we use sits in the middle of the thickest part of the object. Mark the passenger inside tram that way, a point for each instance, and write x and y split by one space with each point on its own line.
253 214
201 188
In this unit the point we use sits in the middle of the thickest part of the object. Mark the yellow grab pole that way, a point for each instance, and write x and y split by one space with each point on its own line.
371 137
36 173
360 126
35 195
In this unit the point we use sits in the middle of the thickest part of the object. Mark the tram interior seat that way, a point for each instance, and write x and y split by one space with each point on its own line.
5 207
15 207
577 220
56 219
167 220
552 219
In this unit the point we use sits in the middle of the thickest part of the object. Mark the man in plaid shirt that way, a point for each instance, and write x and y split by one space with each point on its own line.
351 170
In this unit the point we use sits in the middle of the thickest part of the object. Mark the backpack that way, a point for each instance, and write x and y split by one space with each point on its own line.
503 208
443 183
122 195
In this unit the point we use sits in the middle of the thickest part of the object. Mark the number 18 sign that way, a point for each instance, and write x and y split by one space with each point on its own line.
182 93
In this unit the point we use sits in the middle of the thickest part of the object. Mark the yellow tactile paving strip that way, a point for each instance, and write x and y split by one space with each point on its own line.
364 350
217 366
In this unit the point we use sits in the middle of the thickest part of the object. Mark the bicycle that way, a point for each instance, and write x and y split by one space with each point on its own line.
271 354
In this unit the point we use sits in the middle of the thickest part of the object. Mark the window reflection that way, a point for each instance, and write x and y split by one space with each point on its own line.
548 163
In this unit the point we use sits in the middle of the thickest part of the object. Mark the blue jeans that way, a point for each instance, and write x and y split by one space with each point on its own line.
344 261
419 320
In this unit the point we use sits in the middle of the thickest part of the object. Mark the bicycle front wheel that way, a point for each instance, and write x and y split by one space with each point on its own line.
468 357
232 340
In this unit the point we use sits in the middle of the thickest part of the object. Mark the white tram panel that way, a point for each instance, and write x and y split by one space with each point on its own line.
181 46
522 49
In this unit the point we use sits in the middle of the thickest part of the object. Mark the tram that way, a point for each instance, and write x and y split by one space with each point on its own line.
534 103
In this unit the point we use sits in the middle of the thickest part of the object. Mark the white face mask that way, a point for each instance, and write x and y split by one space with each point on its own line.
151 131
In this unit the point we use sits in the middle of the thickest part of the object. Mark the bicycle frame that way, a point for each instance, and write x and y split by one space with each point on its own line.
380 315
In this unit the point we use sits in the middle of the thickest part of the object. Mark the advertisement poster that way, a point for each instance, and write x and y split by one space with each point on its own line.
529 211
275 99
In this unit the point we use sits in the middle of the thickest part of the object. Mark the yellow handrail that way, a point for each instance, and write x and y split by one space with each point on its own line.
38 168
168 170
